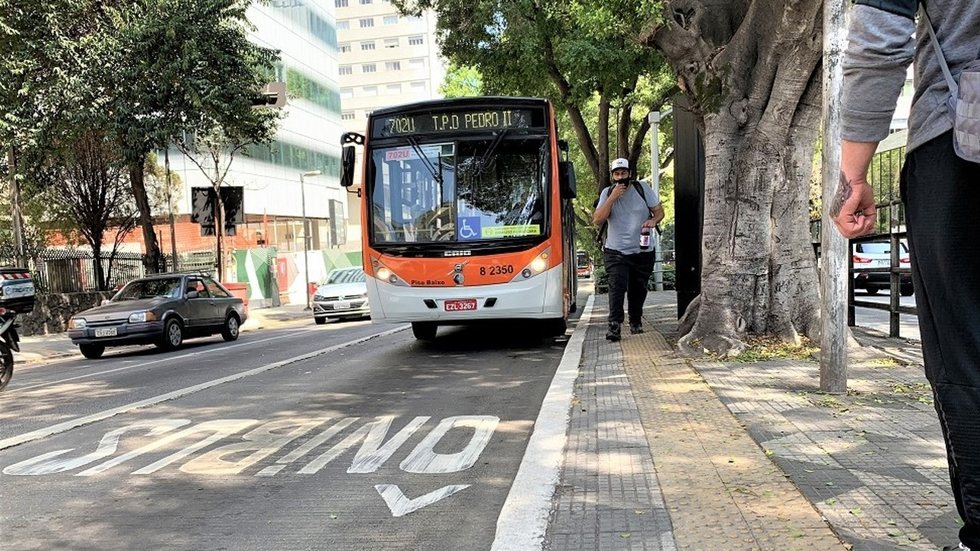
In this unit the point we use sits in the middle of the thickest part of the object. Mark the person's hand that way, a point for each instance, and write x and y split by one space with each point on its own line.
650 224
617 191
853 209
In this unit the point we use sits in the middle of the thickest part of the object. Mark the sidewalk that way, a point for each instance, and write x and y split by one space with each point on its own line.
672 453
51 347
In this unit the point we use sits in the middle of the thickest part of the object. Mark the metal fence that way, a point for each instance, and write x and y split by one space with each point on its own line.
73 271
884 176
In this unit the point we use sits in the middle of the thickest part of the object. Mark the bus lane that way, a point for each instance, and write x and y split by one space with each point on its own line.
388 444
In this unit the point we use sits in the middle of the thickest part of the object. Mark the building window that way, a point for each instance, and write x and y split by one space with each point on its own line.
417 40
367 22
340 3
347 116
365 2
370 90
393 89
343 25
391 43
369 68
365 46
346 70
418 86
393 65
347 93
391 20
344 48
417 63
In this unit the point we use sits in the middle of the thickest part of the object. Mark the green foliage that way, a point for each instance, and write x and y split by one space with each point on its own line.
461 81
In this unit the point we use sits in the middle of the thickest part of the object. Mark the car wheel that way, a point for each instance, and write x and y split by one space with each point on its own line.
872 290
173 335
231 328
92 351
320 321
424 330
6 366
907 290
555 327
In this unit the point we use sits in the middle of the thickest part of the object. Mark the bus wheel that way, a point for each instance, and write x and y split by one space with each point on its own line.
555 327
424 330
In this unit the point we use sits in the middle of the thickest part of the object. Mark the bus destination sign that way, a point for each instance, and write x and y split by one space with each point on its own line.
457 121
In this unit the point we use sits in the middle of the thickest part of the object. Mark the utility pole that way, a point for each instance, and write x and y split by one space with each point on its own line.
833 249
17 217
658 264
306 233
170 209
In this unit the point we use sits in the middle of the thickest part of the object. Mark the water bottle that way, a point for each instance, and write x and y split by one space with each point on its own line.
645 238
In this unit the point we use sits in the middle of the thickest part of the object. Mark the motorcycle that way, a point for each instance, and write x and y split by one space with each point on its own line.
9 343
16 297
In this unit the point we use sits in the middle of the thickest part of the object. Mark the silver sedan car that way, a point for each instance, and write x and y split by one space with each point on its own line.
342 295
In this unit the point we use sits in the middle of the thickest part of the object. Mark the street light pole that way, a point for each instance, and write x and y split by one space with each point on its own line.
306 233
655 117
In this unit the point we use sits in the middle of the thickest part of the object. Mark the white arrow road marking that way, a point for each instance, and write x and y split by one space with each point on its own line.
102 415
400 505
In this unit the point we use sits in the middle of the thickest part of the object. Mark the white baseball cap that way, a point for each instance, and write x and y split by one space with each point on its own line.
619 163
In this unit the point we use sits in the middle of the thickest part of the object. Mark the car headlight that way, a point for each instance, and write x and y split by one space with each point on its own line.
142 317
77 323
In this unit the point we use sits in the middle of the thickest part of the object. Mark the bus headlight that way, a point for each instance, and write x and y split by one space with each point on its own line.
384 273
536 266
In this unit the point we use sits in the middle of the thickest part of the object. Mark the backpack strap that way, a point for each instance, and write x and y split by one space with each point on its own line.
950 81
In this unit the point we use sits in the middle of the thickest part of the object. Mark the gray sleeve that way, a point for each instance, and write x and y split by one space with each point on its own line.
650 196
879 51
603 195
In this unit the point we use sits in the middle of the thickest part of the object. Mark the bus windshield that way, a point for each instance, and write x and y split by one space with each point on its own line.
485 189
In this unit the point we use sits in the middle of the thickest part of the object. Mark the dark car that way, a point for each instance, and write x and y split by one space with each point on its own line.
161 310
878 254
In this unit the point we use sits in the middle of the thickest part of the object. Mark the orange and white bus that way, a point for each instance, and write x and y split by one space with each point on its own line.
466 213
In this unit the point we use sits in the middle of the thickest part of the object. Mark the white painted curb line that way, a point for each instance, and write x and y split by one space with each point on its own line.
102 415
523 520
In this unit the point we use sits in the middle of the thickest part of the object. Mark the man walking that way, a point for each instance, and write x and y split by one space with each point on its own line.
629 212
941 193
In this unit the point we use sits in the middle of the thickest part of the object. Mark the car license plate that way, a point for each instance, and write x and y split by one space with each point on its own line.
106 332
341 305
19 290
461 305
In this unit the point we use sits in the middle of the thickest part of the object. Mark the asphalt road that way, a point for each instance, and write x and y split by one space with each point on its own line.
878 319
342 437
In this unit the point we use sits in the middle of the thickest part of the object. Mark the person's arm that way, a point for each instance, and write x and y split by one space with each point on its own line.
656 215
880 49
606 199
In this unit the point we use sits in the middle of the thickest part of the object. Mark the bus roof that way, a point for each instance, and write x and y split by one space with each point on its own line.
462 103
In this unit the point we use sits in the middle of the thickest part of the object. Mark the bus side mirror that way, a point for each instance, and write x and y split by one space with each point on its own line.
566 176
347 167
348 141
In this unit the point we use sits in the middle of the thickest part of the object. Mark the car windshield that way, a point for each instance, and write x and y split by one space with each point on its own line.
880 248
471 190
149 288
350 275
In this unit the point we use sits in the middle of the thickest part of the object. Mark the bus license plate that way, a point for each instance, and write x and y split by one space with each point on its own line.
18 291
107 332
461 305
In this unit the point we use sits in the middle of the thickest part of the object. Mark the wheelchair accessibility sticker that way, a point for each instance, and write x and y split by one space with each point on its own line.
469 228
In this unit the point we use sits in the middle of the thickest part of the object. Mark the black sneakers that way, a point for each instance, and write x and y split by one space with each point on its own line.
636 328
613 334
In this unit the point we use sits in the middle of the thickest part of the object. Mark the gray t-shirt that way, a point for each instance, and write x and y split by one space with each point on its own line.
880 49
627 216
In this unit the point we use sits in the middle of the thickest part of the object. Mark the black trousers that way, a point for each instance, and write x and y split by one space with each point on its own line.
628 277
941 193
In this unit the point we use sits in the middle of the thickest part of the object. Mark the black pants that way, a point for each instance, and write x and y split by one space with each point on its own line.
941 193
628 277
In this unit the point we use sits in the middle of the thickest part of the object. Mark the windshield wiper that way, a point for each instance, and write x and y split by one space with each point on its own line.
425 160
487 155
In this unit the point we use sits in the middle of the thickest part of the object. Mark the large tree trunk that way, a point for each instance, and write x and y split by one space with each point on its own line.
136 178
759 95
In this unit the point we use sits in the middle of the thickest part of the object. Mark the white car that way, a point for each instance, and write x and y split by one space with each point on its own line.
342 295
877 254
